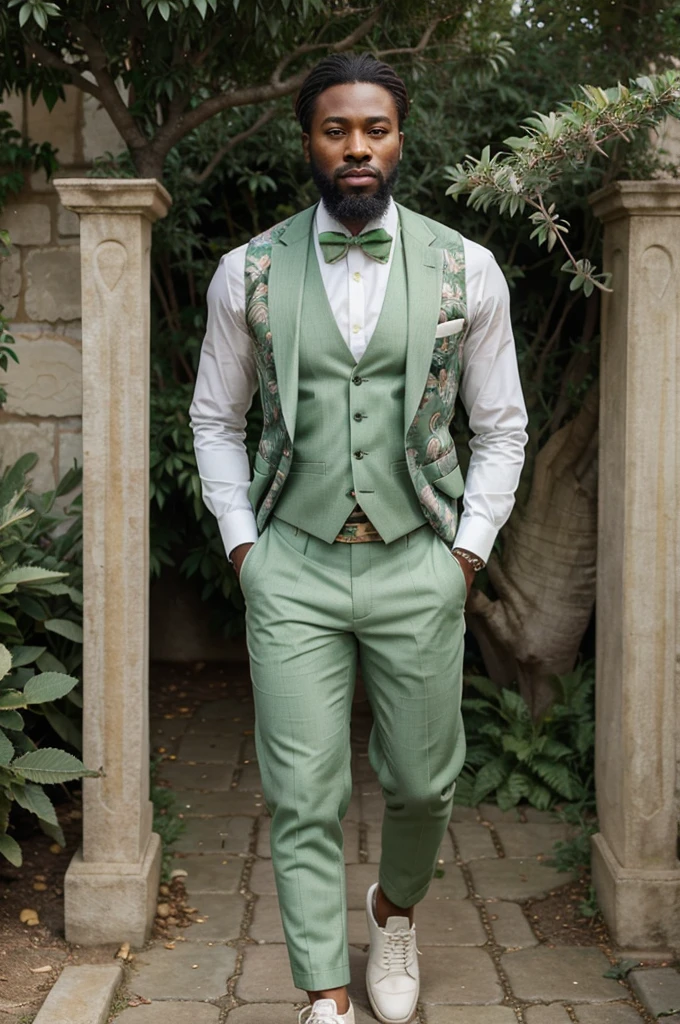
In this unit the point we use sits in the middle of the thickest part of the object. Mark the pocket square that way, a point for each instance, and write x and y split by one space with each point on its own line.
448 328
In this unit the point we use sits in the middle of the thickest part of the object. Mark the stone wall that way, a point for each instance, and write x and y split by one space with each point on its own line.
40 289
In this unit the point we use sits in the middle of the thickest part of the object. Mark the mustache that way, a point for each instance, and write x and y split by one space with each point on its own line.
348 168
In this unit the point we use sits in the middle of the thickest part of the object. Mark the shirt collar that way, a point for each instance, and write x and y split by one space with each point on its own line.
389 220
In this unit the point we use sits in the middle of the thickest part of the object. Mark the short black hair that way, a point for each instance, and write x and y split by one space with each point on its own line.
344 69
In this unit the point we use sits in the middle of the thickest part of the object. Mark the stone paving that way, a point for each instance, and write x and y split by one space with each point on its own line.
481 962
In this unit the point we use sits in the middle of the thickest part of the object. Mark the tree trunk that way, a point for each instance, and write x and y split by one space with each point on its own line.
545 579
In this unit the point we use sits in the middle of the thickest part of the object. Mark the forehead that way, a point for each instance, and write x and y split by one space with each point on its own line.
355 101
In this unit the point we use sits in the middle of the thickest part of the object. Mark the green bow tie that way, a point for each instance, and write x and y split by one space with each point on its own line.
376 244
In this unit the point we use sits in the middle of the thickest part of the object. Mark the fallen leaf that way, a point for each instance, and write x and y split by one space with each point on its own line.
29 916
39 887
41 970
124 952
56 848
179 873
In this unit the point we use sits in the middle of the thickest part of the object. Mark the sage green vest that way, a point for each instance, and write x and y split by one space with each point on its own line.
349 436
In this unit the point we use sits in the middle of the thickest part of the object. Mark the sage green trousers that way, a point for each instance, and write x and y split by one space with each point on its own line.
313 609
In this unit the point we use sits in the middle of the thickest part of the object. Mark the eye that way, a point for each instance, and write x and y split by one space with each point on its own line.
335 133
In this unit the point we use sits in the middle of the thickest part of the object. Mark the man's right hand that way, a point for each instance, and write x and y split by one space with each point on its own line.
238 555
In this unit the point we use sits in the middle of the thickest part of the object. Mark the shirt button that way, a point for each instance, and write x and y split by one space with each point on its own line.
351 494
356 329
359 455
358 416
356 276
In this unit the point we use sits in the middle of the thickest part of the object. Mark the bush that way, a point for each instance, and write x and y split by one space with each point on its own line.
40 624
512 757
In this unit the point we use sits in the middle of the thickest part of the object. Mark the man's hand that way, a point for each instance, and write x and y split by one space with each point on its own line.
468 572
237 556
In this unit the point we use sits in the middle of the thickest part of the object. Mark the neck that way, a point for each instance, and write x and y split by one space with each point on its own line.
355 227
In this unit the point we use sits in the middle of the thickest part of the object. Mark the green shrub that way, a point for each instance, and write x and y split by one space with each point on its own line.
41 633
511 757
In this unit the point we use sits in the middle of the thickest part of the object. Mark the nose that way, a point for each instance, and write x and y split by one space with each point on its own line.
357 147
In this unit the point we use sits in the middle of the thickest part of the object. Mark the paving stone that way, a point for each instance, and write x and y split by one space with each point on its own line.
211 873
350 831
510 927
529 840
227 707
554 1013
360 877
210 749
170 973
249 779
266 975
263 843
513 878
609 1013
569 974
164 1013
460 813
474 840
262 878
373 846
195 804
489 812
213 777
357 928
463 978
372 805
658 989
470 1015
220 918
457 924
81 995
215 835
168 728
450 886
266 924
205 726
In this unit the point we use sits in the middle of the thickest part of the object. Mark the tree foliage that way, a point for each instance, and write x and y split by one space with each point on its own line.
162 68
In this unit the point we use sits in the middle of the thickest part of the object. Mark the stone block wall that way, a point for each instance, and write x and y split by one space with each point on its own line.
40 289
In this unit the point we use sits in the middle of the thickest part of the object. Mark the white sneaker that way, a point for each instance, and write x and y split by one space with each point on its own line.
392 975
325 1011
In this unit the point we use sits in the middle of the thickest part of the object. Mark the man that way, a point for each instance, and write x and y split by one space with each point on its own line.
360 320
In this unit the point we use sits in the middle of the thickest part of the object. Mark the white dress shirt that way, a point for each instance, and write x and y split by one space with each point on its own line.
489 389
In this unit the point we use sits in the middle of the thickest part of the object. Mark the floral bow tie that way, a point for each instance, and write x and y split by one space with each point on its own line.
376 244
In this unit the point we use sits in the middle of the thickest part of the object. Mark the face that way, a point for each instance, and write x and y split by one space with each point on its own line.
354 147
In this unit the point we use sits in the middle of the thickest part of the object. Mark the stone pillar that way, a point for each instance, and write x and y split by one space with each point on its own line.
111 884
635 856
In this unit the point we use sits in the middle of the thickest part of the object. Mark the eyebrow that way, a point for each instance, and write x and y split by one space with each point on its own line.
335 119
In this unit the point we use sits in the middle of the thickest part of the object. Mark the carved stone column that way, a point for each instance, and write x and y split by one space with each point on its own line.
111 884
635 856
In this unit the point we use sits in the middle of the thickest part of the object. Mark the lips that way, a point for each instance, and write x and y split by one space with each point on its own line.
360 176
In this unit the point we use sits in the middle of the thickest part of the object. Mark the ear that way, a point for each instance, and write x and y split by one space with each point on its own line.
401 145
305 146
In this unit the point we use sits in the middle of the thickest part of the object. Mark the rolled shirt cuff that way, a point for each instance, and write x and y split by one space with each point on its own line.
476 534
237 527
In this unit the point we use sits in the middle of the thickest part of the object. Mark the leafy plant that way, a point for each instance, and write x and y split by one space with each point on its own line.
38 597
512 757
573 135
166 821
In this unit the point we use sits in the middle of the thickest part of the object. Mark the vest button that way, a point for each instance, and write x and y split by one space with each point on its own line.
359 455
351 494
358 416
356 380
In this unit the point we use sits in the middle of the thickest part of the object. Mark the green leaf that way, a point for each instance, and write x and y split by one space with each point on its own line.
12 699
11 720
24 14
53 831
10 849
34 799
25 655
28 574
66 628
48 686
50 765
7 620
5 661
64 727
6 750
48 663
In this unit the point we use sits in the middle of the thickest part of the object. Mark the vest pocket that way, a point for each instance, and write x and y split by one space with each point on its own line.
399 467
451 484
445 474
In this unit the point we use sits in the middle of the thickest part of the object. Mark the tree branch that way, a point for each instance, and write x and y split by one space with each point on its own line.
344 44
234 141
419 47
108 91
51 60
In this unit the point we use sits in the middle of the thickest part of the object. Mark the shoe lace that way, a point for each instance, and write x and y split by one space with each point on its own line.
315 1017
397 952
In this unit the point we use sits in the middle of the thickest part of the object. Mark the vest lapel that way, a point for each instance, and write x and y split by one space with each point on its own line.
286 286
423 290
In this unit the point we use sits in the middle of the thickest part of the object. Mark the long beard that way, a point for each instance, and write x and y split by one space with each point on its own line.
353 206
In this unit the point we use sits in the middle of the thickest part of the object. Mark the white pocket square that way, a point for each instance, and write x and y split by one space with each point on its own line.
449 327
